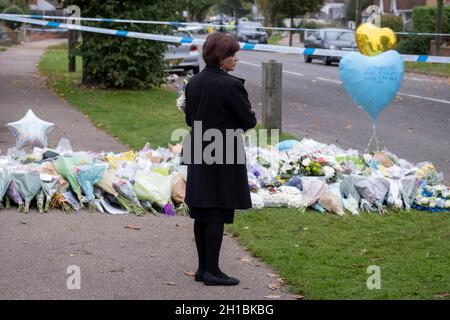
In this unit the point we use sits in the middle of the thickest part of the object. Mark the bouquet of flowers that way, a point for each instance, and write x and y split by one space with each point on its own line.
50 186
432 198
29 184
308 165
5 179
155 188
13 193
127 197
87 176
181 100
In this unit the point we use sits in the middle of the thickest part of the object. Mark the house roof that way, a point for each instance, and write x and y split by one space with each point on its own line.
43 5
401 4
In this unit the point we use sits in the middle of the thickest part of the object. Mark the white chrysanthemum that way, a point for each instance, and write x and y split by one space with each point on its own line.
181 101
306 162
329 171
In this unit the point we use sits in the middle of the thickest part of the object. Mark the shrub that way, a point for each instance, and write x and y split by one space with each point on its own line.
393 22
424 20
121 62
13 10
4 4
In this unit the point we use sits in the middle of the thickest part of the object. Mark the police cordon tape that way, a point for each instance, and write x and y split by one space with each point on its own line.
185 40
179 24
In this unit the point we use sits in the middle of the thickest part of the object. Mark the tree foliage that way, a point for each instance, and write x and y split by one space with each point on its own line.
121 62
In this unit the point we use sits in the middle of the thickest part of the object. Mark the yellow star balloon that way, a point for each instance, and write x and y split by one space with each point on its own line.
31 131
372 40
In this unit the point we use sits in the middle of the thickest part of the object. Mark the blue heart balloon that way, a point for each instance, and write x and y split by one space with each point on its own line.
372 82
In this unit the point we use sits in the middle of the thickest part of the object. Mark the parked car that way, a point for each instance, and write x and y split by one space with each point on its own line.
247 31
183 57
333 39
196 28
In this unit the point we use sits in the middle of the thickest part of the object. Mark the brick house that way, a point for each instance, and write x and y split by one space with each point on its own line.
403 8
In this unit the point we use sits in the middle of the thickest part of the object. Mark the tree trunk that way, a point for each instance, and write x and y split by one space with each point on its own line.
357 13
439 26
290 31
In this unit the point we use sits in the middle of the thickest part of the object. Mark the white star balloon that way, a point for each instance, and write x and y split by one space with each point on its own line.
31 131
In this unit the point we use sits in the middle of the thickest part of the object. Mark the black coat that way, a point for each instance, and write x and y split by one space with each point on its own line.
219 101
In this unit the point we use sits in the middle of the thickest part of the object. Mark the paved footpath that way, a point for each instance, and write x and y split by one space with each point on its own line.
115 262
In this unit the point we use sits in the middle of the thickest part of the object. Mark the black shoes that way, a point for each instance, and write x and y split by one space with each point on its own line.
199 275
211 280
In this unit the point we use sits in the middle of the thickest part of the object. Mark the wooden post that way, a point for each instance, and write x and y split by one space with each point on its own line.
439 25
271 94
71 49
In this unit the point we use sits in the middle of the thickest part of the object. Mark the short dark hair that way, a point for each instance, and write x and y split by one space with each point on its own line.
219 46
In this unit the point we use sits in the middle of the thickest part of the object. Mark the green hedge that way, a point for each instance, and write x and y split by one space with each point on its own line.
4 4
424 20
121 62
13 10
393 22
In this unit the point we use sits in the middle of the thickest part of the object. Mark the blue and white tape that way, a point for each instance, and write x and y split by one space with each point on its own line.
185 40
178 24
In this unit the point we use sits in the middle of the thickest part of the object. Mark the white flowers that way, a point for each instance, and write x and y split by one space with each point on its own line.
306 162
181 102
328 171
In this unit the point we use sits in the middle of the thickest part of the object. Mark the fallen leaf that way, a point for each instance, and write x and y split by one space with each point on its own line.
299 297
131 226
357 266
280 280
169 283
272 275
122 269
273 286
244 259
348 126
189 273
442 295
270 296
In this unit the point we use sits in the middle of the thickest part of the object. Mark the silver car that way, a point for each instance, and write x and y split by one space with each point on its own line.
183 57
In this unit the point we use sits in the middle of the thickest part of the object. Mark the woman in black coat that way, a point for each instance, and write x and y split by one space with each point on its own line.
218 110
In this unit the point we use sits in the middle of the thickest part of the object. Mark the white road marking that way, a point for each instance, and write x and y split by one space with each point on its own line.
294 73
249 63
424 98
340 82
399 93
329 80
259 66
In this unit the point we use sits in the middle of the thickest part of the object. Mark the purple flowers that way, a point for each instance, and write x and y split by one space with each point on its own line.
169 210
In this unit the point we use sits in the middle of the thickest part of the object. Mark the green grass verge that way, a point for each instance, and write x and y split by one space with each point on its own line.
319 256
135 117
326 257
275 39
438 69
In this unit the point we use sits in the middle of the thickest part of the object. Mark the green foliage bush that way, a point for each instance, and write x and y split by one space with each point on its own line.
424 20
4 4
13 10
393 22
121 62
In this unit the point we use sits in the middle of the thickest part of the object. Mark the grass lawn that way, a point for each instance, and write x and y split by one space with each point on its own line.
275 38
439 69
319 256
